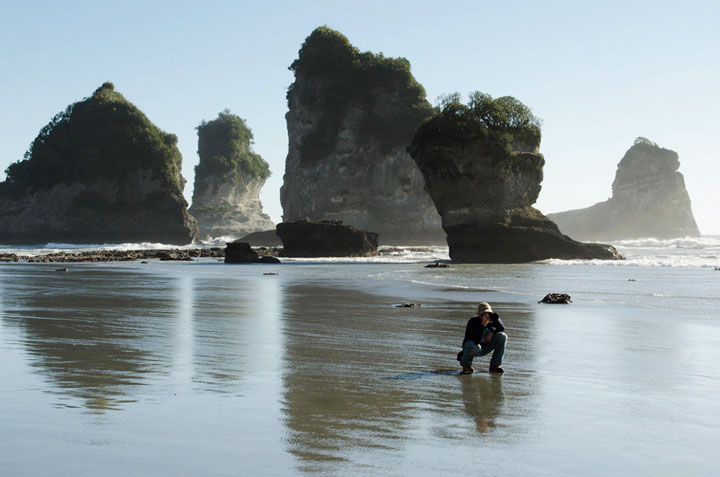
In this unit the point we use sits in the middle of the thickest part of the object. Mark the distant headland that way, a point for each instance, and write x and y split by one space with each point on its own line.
649 200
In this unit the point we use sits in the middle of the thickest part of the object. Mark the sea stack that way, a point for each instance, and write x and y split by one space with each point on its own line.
228 179
649 199
351 117
483 169
99 172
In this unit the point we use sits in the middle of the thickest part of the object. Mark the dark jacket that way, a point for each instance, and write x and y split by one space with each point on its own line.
475 329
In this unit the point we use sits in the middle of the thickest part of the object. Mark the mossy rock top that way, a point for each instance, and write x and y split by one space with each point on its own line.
100 137
332 76
504 125
224 147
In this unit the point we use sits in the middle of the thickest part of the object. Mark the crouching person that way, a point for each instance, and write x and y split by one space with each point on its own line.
483 334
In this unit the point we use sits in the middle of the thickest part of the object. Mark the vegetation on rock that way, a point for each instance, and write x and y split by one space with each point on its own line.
645 141
224 150
505 124
332 76
101 137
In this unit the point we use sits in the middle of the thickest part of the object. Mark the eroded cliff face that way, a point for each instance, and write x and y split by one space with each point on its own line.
229 208
135 209
649 200
361 182
484 181
99 172
351 116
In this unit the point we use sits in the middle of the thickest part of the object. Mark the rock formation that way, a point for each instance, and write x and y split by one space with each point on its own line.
99 172
228 179
351 116
241 252
649 199
328 238
266 238
483 170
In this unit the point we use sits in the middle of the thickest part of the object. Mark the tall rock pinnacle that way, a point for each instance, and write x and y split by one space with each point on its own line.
351 116
228 179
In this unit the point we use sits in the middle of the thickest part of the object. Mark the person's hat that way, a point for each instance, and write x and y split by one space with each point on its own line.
484 307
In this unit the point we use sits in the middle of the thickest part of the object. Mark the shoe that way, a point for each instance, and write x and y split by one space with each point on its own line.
467 370
497 369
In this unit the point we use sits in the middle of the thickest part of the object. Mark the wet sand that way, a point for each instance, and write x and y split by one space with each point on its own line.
219 370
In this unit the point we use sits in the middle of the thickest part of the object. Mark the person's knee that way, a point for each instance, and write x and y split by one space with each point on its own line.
501 337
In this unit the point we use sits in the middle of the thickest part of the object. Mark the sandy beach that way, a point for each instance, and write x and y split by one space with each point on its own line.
205 368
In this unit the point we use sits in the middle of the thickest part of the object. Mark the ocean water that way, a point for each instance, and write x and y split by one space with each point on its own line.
309 367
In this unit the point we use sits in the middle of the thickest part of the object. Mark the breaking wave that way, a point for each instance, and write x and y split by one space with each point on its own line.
696 252
708 242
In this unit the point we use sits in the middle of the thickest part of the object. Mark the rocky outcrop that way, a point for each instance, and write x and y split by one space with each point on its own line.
99 172
351 116
228 179
240 252
483 169
649 199
556 299
328 238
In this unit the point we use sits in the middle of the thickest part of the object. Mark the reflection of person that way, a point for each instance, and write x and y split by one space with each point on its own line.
483 401
483 334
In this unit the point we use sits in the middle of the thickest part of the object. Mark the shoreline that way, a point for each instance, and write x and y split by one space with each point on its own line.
169 254
164 254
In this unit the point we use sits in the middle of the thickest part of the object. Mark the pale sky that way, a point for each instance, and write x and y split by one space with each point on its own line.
599 74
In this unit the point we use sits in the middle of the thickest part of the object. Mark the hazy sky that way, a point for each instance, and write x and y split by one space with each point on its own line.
599 74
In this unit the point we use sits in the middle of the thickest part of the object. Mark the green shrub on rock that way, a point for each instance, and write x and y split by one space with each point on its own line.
505 124
224 150
101 137
333 76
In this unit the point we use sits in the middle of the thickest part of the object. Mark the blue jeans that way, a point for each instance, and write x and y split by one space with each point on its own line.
496 345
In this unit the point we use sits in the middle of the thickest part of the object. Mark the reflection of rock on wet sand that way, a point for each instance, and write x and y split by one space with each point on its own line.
235 331
87 331
97 335
335 401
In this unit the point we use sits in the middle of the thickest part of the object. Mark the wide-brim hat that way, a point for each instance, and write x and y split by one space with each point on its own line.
484 307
